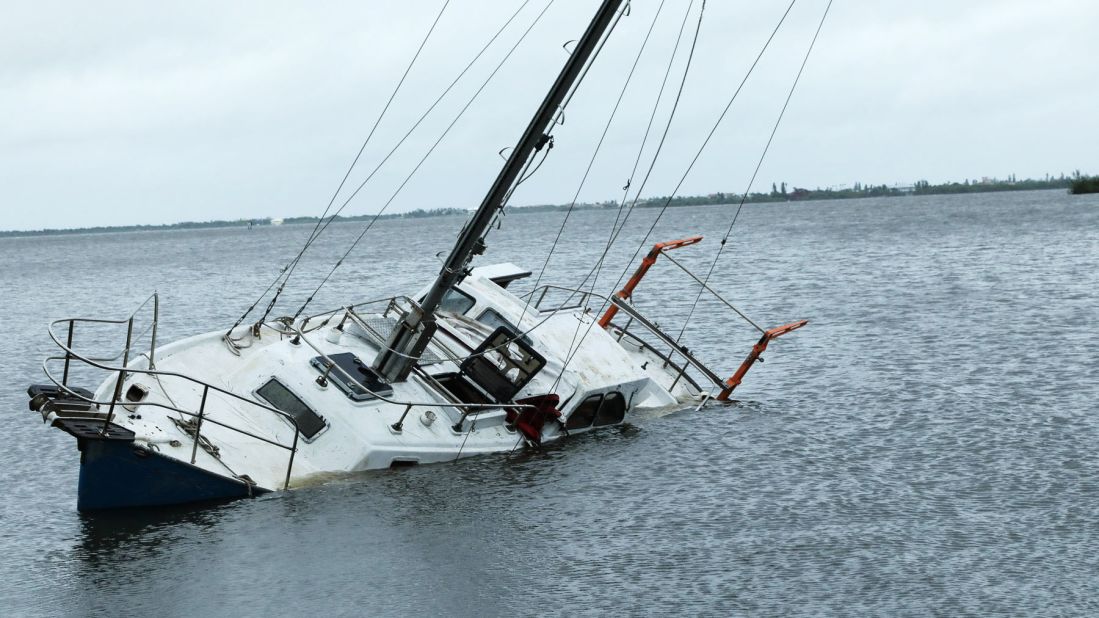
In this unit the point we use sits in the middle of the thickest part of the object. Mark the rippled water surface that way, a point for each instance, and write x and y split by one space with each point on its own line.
926 446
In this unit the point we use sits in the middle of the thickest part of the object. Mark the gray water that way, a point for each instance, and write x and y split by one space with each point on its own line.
926 446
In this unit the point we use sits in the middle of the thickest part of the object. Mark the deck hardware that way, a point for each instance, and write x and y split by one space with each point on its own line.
322 380
427 418
293 451
152 339
121 372
646 263
399 425
753 356
198 425
68 354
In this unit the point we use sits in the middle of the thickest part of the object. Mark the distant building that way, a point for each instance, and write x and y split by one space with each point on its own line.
276 221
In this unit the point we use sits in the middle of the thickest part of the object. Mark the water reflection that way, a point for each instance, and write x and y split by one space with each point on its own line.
129 534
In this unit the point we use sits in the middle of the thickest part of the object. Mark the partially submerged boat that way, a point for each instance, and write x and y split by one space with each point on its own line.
463 368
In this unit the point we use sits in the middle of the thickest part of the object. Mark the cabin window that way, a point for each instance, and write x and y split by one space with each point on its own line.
612 411
309 422
363 374
456 301
494 320
584 414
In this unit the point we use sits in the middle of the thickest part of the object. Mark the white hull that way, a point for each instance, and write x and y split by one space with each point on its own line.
602 381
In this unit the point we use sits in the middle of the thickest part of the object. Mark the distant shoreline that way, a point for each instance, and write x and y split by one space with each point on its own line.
776 195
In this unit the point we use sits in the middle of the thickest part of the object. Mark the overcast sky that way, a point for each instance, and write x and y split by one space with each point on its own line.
115 113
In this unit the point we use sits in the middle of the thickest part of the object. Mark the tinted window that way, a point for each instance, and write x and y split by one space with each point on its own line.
280 397
612 411
456 302
493 319
582 416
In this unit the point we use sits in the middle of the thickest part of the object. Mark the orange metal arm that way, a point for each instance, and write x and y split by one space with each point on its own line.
757 349
646 264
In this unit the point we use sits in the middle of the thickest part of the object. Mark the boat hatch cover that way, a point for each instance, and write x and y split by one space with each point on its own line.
361 372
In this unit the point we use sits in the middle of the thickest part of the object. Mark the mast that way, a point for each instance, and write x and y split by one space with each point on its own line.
411 336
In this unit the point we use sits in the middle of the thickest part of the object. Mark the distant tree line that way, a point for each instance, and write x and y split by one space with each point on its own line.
780 192
193 225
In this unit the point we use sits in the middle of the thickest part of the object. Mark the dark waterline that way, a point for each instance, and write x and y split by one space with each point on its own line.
925 446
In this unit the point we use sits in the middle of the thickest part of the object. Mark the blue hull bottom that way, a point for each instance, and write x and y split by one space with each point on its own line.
118 474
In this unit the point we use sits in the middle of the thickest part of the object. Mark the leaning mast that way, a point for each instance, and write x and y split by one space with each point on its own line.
411 336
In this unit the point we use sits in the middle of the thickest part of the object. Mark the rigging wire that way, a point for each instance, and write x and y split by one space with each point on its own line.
648 173
667 203
633 205
615 228
733 98
233 346
598 146
560 118
755 173
429 110
694 160
423 159
288 270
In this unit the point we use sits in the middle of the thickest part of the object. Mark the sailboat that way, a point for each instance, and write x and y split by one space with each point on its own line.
464 367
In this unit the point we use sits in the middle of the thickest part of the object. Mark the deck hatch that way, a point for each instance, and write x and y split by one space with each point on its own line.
309 422
503 364
358 370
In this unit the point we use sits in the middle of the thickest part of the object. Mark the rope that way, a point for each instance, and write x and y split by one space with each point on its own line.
759 164
288 270
423 159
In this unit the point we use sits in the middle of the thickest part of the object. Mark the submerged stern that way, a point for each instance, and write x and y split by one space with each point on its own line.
118 472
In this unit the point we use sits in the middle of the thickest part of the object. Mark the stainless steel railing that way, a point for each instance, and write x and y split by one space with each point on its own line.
124 370
675 349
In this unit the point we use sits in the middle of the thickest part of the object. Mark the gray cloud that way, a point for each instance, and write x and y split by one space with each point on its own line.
114 113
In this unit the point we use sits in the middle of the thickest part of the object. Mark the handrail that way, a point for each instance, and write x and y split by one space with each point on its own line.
621 303
585 294
124 369
154 404
155 297
332 312
712 291
197 436
649 326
